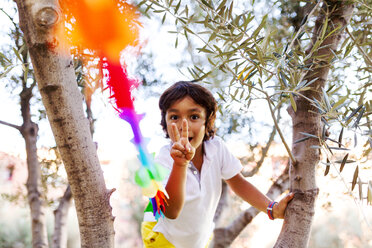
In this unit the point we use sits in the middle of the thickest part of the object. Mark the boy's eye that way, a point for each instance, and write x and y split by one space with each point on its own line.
173 117
194 117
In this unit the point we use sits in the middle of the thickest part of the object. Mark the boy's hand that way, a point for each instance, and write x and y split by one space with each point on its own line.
182 151
279 208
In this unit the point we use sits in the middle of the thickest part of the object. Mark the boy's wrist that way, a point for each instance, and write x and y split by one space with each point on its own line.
270 210
181 165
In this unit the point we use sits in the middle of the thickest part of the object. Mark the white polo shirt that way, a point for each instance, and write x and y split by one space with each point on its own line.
194 226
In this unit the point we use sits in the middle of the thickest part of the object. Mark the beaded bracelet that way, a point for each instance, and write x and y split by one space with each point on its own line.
270 210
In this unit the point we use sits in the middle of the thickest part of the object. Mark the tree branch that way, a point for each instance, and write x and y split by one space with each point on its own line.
11 125
280 131
223 237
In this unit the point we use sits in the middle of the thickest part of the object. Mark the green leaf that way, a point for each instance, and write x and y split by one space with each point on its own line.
231 9
348 49
260 55
187 11
177 7
163 20
324 28
338 103
353 113
343 162
4 57
282 77
188 30
293 103
309 135
327 168
221 96
212 37
339 148
359 117
207 4
205 50
326 100
262 24
6 71
249 75
315 147
222 4
355 177
17 54
340 137
301 140
176 43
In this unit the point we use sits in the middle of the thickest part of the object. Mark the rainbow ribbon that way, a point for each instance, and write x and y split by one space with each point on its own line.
151 174
101 26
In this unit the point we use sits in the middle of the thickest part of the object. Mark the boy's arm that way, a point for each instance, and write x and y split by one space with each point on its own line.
182 152
176 189
254 197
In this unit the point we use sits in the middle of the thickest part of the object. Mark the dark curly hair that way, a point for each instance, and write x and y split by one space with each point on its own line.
199 94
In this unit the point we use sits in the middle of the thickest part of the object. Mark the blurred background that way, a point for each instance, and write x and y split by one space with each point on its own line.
342 216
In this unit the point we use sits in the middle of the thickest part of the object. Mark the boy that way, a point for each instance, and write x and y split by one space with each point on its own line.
198 160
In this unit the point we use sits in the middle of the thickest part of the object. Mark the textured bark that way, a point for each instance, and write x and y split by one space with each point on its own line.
29 131
223 237
61 213
63 103
299 215
60 220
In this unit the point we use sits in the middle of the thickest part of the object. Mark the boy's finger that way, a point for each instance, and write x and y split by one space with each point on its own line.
177 153
289 197
176 134
188 147
178 146
185 129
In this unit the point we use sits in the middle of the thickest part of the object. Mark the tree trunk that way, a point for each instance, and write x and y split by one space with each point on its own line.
60 220
61 213
299 214
223 237
29 131
63 103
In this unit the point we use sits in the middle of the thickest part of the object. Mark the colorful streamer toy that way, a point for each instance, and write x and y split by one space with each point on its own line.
107 27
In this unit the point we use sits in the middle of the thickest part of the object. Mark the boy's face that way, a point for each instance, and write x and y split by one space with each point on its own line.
195 115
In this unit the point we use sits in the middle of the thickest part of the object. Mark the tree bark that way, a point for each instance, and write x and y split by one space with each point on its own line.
61 213
299 214
60 220
54 73
29 131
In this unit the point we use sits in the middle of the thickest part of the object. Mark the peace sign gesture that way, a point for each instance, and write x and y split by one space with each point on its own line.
182 151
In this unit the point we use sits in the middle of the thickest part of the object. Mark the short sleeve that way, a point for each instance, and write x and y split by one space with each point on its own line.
164 159
230 165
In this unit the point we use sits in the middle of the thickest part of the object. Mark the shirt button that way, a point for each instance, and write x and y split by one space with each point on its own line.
189 165
195 172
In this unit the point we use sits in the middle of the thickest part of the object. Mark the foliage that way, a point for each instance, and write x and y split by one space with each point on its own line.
262 60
